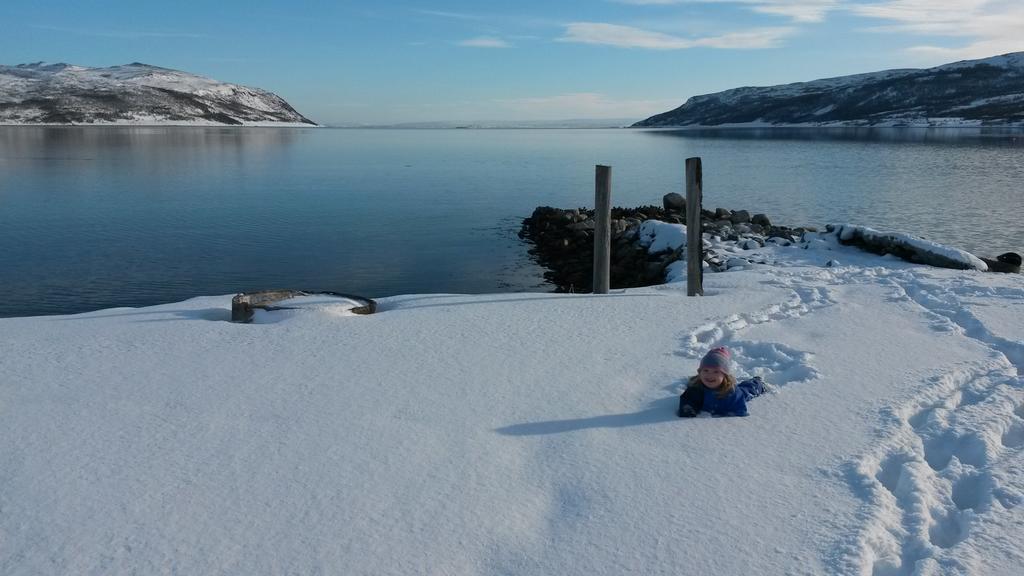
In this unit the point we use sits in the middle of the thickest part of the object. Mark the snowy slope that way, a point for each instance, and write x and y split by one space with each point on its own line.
971 92
135 94
528 433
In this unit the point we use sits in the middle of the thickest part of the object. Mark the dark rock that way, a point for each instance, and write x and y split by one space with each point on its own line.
1008 262
562 241
655 269
761 220
740 216
674 202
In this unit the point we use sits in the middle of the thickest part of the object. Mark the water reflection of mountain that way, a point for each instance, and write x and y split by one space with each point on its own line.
971 136
157 149
166 141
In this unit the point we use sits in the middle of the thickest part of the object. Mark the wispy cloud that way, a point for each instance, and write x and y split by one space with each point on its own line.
914 12
990 27
127 34
796 10
808 11
485 42
630 37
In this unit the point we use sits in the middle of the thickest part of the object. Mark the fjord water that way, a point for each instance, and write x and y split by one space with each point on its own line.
95 217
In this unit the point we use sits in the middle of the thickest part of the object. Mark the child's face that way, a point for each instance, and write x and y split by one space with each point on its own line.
711 377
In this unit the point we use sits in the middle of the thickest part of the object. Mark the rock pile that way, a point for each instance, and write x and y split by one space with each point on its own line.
564 241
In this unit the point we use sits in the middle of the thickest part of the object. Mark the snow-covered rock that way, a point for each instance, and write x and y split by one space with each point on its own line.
658 236
971 92
905 246
133 94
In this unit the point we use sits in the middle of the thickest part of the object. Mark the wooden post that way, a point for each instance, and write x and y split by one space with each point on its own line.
602 229
694 236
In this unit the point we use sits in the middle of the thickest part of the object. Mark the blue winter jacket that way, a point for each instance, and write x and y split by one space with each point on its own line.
735 403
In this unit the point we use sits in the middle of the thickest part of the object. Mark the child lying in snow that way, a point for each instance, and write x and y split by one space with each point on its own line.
714 388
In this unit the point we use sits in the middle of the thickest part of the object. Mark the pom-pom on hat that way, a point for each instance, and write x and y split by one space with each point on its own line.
718 358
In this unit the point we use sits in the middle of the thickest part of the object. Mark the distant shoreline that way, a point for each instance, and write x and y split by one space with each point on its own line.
765 126
685 128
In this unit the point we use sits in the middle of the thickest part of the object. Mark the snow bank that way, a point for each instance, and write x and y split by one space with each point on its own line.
922 250
528 433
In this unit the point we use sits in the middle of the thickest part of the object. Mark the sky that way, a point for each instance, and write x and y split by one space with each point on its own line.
357 62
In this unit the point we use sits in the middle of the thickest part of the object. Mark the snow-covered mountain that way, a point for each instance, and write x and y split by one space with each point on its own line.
133 94
966 93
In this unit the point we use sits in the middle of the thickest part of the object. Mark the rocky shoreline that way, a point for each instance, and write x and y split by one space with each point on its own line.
563 243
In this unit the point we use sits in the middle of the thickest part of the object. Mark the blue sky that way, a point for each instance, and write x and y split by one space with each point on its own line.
401 61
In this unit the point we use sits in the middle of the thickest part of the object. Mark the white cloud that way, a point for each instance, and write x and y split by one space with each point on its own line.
918 11
630 37
757 38
991 26
622 36
797 10
485 42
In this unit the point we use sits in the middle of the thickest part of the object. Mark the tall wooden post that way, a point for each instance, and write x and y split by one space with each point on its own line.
694 236
602 229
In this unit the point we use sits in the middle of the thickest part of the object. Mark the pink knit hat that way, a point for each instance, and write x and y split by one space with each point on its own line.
717 358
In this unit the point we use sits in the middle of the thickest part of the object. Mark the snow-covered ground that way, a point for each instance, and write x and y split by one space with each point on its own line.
153 121
134 94
528 433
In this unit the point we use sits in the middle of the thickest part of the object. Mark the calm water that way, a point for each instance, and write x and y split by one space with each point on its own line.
100 217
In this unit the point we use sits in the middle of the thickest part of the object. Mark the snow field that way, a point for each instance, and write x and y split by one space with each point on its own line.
528 433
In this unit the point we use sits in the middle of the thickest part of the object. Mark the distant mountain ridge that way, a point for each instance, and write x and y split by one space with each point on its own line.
134 93
967 93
